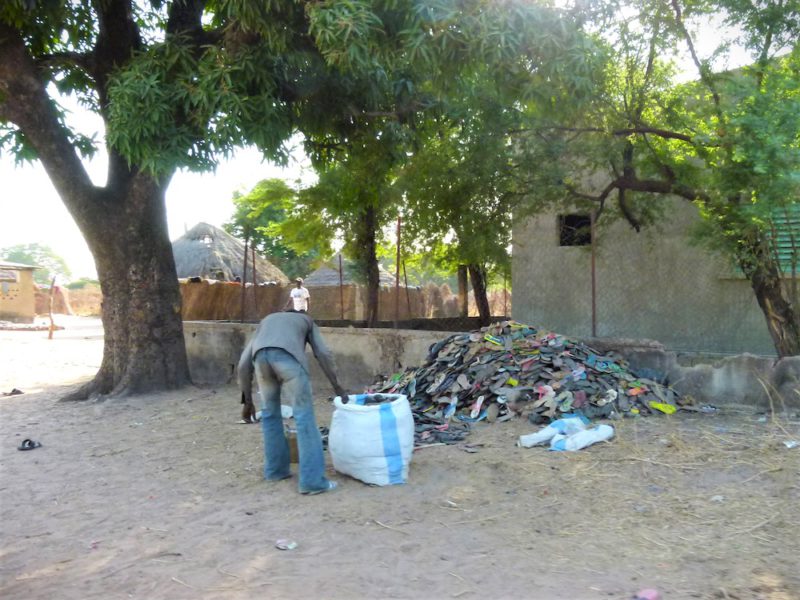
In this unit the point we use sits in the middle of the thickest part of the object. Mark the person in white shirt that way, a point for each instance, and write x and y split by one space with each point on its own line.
298 297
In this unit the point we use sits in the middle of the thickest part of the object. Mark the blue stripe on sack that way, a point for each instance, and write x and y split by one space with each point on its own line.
360 399
391 444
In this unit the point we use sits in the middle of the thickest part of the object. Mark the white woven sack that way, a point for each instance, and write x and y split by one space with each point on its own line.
372 442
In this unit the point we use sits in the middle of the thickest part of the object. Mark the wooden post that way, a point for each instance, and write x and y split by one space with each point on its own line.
52 324
593 216
341 287
255 283
244 277
408 297
505 294
397 279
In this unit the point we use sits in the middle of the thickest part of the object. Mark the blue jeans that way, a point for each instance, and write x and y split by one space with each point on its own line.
278 371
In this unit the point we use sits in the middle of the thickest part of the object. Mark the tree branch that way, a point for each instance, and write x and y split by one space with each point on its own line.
26 104
56 60
626 210
185 17
629 181
662 133
601 197
118 39
656 186
648 73
701 69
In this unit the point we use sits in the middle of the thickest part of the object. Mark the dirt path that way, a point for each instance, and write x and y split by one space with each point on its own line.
161 496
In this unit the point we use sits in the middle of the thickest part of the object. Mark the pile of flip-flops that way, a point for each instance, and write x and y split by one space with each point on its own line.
511 369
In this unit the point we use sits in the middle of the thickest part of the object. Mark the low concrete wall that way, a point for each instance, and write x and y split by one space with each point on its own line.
716 379
362 355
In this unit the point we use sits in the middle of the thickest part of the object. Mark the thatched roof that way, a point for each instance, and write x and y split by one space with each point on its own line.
328 274
205 250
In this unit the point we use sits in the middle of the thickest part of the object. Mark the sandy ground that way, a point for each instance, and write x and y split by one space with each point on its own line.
161 496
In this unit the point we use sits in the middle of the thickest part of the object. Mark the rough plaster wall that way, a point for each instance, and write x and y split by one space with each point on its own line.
652 285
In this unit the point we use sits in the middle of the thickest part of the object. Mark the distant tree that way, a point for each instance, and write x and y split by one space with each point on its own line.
461 187
352 200
423 263
257 218
82 283
40 255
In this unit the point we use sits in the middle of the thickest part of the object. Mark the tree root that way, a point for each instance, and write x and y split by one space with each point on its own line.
82 393
99 385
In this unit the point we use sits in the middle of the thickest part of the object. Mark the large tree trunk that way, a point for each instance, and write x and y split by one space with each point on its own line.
463 293
761 268
144 344
477 275
124 224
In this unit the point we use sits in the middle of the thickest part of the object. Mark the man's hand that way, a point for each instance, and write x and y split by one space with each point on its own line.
248 410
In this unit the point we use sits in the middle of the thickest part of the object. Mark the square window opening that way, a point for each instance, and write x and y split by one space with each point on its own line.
574 230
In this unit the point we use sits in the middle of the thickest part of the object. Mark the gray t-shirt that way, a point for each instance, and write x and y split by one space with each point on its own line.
290 331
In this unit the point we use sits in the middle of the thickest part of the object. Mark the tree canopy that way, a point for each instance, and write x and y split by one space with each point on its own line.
180 84
257 218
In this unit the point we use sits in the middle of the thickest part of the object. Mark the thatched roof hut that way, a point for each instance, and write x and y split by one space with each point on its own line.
328 274
206 251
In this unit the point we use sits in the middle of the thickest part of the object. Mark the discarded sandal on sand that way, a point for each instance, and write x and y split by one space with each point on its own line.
28 445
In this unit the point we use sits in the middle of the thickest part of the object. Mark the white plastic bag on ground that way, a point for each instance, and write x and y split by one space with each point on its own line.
567 425
372 442
582 439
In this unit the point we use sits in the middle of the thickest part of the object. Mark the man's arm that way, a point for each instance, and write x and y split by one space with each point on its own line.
245 376
325 359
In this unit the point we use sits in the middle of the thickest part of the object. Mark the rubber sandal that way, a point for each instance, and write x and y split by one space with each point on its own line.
28 445
332 485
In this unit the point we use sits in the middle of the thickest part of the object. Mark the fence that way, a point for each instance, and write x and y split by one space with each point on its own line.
416 308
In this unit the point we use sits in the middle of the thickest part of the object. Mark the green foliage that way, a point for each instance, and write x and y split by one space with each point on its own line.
50 264
463 182
729 139
334 207
258 217
268 68
83 283
431 265
372 85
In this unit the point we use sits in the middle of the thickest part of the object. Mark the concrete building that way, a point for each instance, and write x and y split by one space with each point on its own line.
655 285
17 297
